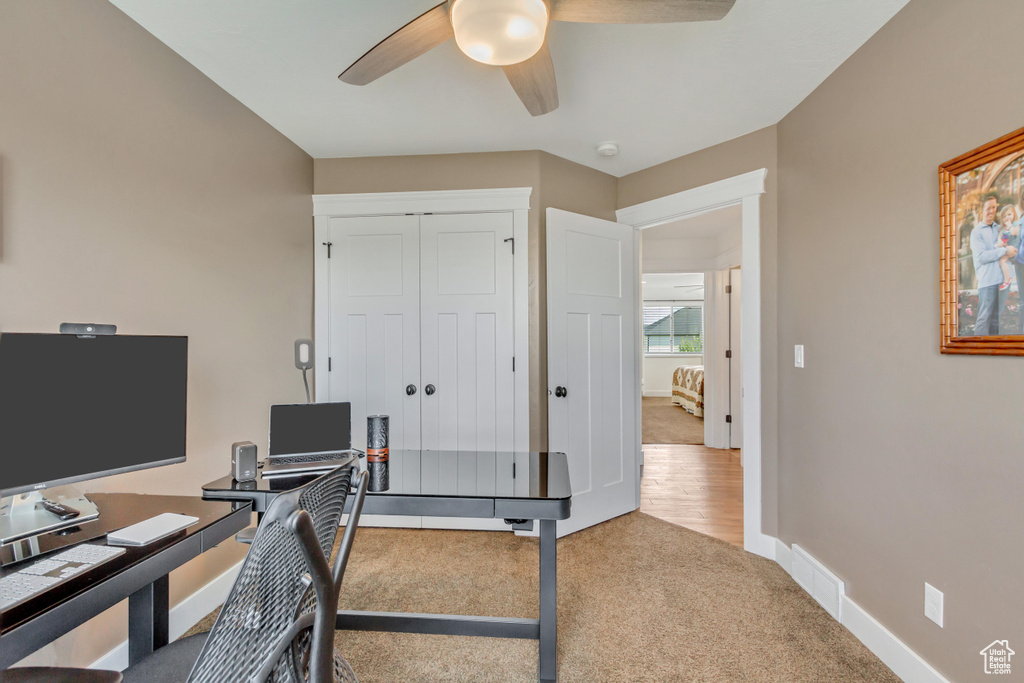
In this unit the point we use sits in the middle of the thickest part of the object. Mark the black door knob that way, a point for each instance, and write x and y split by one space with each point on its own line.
430 389
410 390
561 392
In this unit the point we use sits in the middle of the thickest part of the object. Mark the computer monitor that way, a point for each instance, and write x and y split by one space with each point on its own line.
81 407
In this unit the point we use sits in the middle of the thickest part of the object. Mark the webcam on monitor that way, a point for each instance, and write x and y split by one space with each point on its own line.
87 329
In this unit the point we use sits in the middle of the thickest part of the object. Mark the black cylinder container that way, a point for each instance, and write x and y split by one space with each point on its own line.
377 437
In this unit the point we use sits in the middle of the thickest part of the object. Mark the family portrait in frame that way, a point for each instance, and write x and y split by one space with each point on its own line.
981 197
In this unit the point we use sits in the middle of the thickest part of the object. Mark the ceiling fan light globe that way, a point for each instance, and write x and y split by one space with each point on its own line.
520 28
513 30
480 52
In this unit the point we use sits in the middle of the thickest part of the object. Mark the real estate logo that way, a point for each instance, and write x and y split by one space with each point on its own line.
997 657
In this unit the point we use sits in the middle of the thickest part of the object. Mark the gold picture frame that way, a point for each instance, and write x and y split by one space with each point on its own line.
974 317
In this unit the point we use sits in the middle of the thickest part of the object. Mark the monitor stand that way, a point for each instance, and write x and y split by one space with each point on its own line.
21 518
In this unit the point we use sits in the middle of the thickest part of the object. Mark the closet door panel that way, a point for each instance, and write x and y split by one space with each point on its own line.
467 332
375 331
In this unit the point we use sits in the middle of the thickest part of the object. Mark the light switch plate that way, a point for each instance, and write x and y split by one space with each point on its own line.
933 600
798 355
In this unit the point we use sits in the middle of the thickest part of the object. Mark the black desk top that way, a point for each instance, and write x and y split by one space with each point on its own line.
117 510
443 483
447 474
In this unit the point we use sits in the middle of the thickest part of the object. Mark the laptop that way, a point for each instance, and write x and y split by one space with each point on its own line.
308 437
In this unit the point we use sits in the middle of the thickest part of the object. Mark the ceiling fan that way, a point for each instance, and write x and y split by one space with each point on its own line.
511 34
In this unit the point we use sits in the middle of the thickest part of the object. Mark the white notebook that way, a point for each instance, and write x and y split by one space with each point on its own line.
153 529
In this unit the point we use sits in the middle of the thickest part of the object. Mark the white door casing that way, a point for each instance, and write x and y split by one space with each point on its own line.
514 200
592 298
382 208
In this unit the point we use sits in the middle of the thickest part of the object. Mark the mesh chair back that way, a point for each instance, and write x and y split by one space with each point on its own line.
272 587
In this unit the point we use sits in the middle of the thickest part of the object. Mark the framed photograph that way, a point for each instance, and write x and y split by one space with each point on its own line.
981 206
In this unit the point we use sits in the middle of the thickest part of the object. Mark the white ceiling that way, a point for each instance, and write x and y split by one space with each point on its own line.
659 91
673 286
713 224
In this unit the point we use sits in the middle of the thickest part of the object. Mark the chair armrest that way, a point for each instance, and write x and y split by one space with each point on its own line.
300 523
345 549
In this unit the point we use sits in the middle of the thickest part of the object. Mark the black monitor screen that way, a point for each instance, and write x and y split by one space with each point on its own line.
310 428
78 408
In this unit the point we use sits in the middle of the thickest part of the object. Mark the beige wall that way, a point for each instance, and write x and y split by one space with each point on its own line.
898 465
137 192
556 183
748 153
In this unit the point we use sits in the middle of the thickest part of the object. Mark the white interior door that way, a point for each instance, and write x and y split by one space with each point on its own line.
735 366
467 334
375 323
467 347
591 355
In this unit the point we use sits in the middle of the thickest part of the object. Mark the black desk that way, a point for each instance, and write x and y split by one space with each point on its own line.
513 486
140 574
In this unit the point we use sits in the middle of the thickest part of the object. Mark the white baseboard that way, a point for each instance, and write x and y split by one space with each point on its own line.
183 616
784 556
759 544
893 652
658 393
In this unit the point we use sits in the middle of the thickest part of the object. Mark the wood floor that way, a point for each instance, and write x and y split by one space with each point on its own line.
696 487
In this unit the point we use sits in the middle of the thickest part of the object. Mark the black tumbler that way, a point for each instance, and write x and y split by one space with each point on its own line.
377 429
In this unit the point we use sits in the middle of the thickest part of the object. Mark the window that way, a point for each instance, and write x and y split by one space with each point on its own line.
673 327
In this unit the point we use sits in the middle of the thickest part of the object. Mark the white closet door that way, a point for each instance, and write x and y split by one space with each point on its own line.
375 324
467 334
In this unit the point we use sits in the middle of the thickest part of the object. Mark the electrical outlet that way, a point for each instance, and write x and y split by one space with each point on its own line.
933 603
798 355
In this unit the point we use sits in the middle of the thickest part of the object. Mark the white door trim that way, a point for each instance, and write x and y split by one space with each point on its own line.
513 199
437 201
744 190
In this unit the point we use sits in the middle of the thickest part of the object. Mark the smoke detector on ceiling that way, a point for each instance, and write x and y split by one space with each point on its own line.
607 149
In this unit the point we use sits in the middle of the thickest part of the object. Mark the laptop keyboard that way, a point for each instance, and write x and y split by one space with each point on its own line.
299 459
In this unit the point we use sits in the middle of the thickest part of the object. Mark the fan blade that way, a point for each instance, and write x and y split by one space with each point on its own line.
639 11
534 82
418 37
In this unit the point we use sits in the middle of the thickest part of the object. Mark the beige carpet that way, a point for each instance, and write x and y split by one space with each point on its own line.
639 599
664 422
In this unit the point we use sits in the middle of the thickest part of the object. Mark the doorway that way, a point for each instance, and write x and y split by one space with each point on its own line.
691 475
743 191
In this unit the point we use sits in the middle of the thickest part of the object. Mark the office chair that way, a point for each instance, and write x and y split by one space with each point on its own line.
278 619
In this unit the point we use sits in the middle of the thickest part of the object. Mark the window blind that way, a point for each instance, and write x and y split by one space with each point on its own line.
673 327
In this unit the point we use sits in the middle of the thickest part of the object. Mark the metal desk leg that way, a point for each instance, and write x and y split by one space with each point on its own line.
148 612
548 603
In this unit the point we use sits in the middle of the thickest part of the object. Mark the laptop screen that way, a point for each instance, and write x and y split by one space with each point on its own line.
310 428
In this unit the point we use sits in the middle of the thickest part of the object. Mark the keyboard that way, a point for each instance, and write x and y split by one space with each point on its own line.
275 469
310 457
46 573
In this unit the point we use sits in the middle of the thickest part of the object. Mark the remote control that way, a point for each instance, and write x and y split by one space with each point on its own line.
62 511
